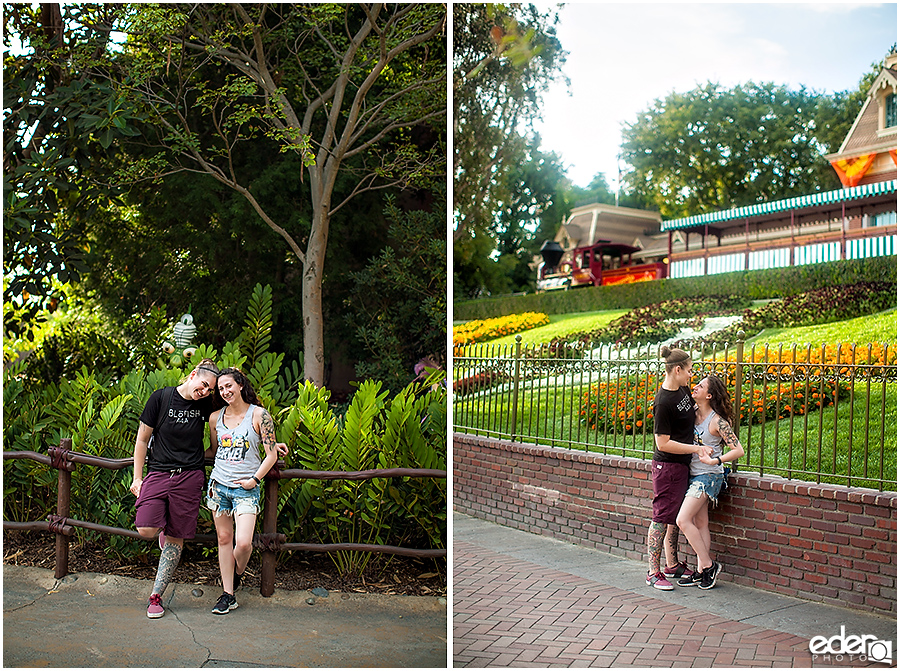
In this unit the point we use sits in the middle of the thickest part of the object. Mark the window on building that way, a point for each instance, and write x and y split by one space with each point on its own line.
890 110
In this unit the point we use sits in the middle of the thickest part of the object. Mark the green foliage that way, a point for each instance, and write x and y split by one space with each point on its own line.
398 305
753 284
820 306
530 212
146 334
257 332
504 58
100 411
59 125
699 151
73 347
377 432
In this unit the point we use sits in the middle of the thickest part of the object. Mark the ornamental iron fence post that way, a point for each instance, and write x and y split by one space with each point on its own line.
515 391
738 381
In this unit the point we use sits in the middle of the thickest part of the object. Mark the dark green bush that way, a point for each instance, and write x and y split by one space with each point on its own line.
658 321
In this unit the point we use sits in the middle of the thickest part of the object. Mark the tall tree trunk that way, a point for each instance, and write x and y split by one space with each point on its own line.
313 320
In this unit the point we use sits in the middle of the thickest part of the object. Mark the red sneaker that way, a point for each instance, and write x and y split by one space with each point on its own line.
658 581
154 607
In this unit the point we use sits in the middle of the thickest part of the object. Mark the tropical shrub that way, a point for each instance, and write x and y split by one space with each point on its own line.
406 431
480 330
100 413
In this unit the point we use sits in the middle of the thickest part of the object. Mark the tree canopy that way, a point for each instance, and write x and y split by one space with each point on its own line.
714 148
504 58
298 109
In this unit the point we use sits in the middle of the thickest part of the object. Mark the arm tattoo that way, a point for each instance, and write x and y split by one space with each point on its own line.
267 431
727 434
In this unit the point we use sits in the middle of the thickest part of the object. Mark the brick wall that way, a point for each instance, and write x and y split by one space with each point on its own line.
823 543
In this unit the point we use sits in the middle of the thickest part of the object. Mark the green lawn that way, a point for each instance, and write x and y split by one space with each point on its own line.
563 325
548 413
881 327
550 416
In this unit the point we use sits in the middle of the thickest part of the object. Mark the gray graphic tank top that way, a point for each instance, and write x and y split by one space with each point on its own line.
237 456
702 436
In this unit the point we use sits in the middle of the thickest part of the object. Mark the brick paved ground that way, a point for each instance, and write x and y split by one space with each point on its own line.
509 612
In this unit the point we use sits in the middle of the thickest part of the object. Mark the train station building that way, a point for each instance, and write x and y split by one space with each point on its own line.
856 221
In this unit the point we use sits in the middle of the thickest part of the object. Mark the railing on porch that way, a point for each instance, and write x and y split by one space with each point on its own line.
269 541
823 413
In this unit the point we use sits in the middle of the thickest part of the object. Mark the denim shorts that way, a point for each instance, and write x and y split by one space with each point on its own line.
706 483
224 500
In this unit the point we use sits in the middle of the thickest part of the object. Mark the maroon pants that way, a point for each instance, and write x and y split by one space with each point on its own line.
670 483
171 501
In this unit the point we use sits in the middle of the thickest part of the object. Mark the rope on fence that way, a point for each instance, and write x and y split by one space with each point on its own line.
269 542
59 457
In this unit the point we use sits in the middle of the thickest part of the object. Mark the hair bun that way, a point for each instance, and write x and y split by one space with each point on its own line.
665 351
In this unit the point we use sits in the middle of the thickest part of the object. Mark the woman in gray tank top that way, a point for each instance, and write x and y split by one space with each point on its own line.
236 432
712 426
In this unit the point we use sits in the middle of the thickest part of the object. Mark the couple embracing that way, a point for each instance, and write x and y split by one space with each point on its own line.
691 426
170 442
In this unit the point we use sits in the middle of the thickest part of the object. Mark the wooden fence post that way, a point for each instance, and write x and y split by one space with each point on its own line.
63 497
270 518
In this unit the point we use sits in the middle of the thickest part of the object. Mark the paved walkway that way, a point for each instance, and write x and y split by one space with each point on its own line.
523 600
91 620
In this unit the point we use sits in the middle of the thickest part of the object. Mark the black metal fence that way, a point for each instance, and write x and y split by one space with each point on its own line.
823 413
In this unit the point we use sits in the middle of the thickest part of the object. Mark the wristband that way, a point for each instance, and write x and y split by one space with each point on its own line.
719 459
259 483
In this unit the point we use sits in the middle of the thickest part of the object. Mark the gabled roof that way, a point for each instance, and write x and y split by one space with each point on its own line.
864 136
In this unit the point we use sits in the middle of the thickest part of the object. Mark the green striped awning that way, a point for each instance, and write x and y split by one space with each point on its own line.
800 202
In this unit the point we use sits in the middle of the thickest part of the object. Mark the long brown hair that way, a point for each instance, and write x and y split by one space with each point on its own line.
719 400
247 392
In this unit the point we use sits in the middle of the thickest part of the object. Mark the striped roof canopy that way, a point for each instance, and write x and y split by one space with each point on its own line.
814 200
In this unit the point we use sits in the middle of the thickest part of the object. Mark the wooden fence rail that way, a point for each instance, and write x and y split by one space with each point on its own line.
269 541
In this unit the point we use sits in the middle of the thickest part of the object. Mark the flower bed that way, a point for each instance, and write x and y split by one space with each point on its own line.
480 330
478 382
789 386
821 306
659 321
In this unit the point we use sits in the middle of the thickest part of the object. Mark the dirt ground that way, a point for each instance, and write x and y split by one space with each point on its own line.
295 570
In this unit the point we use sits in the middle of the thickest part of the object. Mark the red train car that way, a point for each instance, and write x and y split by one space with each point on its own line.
602 264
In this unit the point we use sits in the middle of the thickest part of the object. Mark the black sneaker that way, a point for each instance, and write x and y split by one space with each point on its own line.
709 575
225 603
690 579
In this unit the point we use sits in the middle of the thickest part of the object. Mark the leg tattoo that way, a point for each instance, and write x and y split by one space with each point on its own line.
655 544
672 546
168 562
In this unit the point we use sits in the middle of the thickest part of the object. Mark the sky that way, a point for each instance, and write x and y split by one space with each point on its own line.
622 57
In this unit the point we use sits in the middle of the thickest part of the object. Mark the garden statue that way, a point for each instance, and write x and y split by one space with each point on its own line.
183 335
